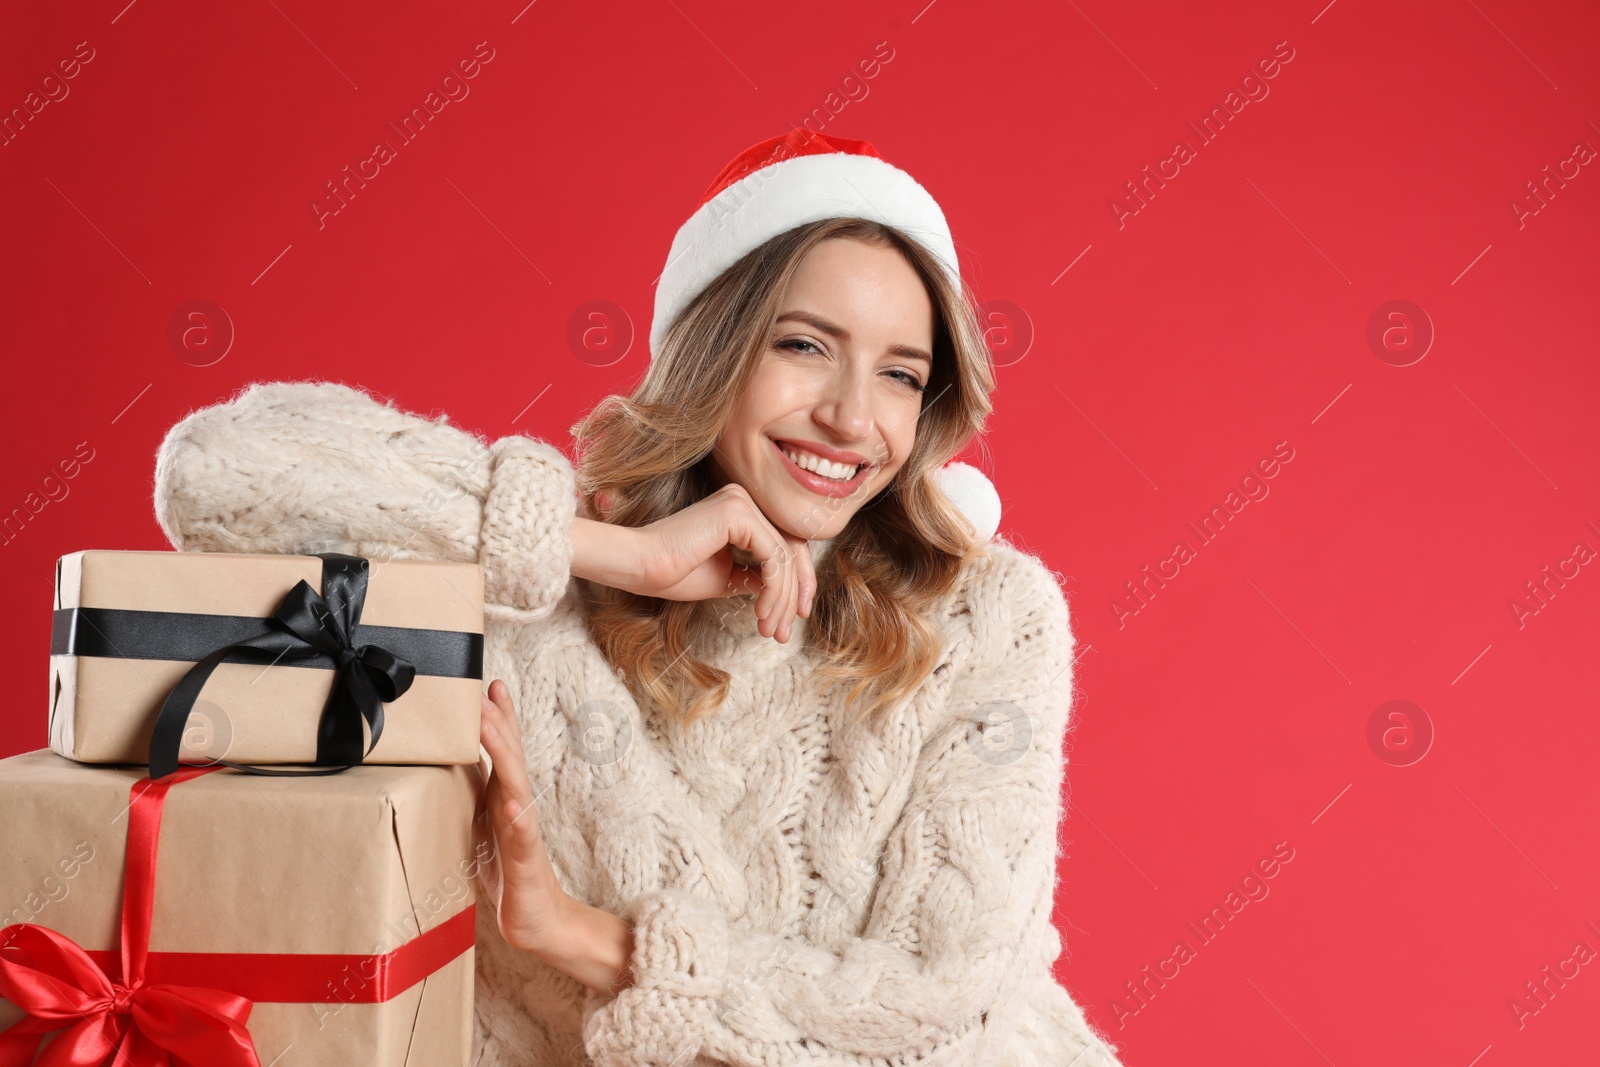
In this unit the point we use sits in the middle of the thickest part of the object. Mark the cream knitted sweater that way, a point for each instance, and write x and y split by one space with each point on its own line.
803 891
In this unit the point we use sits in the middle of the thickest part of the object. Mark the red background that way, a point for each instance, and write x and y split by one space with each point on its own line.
1230 313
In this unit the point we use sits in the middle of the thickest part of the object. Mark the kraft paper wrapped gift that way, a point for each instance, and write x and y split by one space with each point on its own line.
129 627
334 914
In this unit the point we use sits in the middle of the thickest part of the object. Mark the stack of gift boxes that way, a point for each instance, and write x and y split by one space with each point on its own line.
250 841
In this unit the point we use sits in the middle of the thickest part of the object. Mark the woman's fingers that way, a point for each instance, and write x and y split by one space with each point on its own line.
800 571
737 551
509 795
744 579
770 600
520 877
808 580
791 590
787 577
749 530
778 606
508 782
791 586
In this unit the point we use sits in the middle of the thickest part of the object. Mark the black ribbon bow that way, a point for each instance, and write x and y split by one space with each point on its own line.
307 624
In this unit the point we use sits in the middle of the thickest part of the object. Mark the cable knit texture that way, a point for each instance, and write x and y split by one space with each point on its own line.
803 889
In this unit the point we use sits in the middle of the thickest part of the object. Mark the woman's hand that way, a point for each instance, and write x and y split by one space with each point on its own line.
528 897
719 546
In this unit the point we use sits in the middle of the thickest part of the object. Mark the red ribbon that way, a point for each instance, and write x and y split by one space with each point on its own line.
156 1009
313 978
144 1024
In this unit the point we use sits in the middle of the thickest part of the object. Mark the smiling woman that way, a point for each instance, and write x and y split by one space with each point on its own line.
884 295
850 361
771 832
837 342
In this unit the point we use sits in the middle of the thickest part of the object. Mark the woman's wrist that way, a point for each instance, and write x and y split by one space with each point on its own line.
587 944
605 553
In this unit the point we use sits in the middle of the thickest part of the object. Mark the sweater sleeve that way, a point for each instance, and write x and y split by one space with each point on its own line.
314 466
967 875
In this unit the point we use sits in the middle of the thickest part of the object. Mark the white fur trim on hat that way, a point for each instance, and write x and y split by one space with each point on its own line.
777 198
971 491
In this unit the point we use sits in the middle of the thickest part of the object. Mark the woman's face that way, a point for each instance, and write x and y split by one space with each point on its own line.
840 383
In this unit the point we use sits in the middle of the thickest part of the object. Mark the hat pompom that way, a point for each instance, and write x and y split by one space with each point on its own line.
971 491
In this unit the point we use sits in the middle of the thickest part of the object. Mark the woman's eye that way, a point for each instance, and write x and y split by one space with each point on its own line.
800 344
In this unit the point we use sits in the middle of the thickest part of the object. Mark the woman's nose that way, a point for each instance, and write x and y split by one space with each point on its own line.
846 408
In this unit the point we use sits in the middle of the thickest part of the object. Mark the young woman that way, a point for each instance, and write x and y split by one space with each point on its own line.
776 731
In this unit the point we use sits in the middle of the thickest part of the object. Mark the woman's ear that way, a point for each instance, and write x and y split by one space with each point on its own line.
971 491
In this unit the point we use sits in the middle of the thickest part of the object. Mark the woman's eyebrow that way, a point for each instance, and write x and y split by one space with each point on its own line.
839 333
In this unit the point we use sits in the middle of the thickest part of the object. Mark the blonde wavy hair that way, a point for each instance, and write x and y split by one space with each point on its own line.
641 458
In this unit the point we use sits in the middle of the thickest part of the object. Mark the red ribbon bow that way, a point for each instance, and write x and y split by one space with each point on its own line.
146 1025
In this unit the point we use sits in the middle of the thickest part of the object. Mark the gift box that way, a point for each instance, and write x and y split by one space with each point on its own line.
313 921
260 658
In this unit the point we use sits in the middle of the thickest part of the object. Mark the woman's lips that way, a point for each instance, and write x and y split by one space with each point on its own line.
816 482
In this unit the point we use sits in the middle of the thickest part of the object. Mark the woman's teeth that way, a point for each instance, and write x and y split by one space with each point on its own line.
839 472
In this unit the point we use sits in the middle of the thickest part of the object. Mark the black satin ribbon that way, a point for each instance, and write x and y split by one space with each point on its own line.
124 633
308 629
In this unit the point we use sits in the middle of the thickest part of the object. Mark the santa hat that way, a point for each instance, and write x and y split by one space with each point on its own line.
790 180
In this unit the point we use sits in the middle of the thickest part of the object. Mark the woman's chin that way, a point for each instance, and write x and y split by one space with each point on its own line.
808 516
815 525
